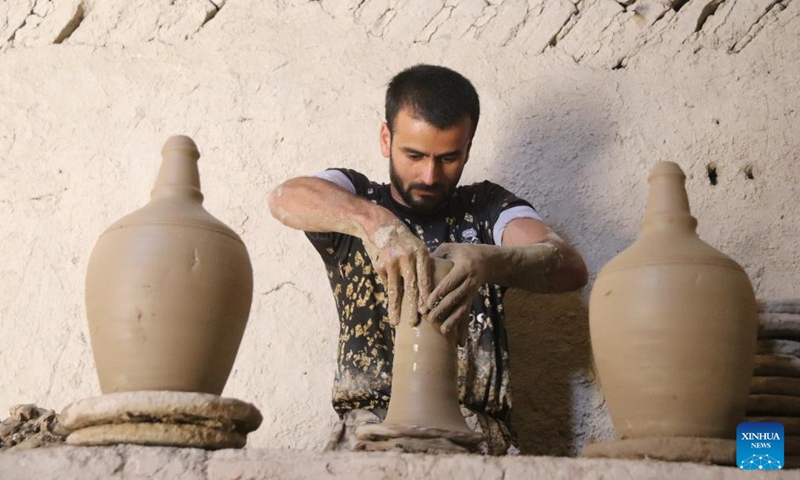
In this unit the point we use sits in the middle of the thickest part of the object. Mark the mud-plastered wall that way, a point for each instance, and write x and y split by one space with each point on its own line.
579 99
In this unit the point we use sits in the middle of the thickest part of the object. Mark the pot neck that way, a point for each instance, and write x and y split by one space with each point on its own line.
178 178
667 202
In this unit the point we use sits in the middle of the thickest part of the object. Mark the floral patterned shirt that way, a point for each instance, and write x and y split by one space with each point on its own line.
366 339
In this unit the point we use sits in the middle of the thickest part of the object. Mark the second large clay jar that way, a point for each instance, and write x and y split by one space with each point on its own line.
168 289
673 325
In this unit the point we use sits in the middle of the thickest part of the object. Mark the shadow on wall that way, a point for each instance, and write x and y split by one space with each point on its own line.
550 353
553 146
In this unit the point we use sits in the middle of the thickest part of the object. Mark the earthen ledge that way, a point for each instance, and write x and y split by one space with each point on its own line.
133 462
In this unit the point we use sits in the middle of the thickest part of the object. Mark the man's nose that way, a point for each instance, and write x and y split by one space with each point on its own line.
431 173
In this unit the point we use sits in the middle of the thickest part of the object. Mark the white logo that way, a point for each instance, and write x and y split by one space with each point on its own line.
470 236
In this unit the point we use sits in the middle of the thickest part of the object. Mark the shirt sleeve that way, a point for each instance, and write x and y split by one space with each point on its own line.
337 177
509 214
502 207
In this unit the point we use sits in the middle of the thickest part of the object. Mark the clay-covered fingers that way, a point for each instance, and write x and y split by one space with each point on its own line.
410 290
456 318
394 293
447 295
424 280
380 270
442 251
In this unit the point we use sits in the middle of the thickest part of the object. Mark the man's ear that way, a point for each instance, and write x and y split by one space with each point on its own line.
469 149
386 140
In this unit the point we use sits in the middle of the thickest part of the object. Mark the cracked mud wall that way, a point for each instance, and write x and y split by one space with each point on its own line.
579 99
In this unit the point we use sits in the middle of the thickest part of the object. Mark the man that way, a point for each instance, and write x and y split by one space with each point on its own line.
375 240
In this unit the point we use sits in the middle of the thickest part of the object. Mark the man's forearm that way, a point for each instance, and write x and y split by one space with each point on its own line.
398 256
316 205
547 266
544 267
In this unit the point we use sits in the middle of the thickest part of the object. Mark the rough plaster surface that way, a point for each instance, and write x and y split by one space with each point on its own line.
580 98
127 462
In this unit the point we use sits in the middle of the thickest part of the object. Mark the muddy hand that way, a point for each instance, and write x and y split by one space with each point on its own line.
404 264
451 301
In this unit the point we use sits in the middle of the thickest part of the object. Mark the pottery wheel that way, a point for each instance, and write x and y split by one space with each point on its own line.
183 419
673 449
380 431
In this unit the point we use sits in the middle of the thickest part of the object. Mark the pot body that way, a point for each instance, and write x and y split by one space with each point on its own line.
673 326
168 289
425 377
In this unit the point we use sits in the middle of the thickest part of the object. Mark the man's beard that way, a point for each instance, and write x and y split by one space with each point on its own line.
422 205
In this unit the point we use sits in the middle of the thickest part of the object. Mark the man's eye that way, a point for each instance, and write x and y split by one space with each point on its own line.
450 158
414 156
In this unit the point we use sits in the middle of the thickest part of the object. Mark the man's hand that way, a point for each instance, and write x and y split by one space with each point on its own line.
403 262
451 300
549 265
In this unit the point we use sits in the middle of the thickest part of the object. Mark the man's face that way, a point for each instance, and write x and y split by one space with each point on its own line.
425 163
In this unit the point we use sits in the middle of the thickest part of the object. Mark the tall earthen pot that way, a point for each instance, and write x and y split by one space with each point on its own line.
168 288
673 325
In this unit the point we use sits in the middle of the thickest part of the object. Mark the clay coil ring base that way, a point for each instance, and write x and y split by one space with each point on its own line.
157 434
791 445
782 326
768 346
780 305
777 366
775 386
773 405
165 407
382 432
672 449
791 425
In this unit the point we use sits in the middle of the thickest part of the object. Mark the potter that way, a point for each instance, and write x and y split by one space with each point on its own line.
377 242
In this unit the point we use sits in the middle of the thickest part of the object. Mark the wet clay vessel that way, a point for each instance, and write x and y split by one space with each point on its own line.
168 289
673 326
424 401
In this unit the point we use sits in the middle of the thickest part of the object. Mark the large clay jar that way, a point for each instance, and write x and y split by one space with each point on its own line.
673 325
424 401
168 289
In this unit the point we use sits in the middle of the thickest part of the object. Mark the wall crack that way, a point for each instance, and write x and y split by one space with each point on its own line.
708 10
280 286
564 29
770 14
520 26
11 38
486 16
72 25
436 29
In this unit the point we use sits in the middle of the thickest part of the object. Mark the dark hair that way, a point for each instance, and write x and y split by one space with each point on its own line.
442 97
